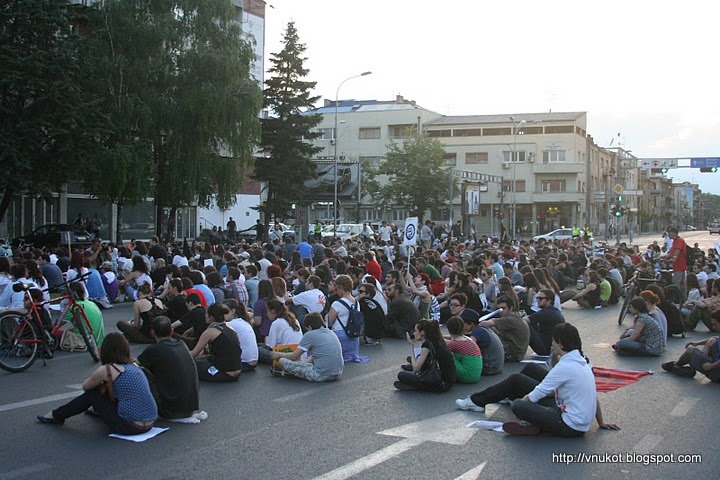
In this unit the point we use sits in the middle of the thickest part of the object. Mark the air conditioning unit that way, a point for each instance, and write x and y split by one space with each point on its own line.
506 164
531 156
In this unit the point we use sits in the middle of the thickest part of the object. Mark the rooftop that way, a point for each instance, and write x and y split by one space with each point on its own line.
505 118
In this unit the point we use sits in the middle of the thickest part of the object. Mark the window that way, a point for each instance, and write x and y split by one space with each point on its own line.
580 131
439 133
531 130
474 158
553 186
371 133
551 156
402 131
326 134
467 132
559 129
370 160
450 158
519 184
519 156
497 131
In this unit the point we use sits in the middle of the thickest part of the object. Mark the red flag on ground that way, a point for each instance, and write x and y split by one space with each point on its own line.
609 379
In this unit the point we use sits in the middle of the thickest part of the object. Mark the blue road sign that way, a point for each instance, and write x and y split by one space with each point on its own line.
704 162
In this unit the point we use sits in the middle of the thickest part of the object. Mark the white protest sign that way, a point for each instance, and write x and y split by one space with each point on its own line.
410 236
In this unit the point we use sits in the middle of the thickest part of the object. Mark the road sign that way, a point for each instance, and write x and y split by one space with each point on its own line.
633 193
599 196
476 177
704 162
618 189
648 163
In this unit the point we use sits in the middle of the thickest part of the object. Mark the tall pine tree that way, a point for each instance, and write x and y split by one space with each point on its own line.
287 161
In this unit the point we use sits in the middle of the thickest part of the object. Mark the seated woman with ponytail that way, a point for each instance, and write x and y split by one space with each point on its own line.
284 330
560 402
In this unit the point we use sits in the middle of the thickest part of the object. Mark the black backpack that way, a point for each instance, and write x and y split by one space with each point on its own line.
356 321
374 318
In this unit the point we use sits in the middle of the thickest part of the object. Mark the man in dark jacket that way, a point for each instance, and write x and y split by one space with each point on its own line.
402 313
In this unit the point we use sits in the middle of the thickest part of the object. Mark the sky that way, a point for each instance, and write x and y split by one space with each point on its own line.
646 72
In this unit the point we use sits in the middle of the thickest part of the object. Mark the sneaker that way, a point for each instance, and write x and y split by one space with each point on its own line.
277 371
467 404
668 366
520 428
683 371
407 367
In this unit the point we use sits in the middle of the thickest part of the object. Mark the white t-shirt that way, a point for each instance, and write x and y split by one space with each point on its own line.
343 315
72 274
264 264
246 337
180 261
314 300
385 232
281 333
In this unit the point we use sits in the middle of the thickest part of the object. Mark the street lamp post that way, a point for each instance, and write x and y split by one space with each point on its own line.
335 155
517 126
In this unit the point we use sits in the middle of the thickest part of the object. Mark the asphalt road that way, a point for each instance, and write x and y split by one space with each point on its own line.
265 427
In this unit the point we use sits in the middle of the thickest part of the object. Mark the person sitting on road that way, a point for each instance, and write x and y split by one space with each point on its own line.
284 330
238 318
92 312
701 309
588 297
543 322
145 309
705 360
571 381
512 330
402 313
490 345
132 410
433 346
324 361
466 353
171 372
645 336
224 363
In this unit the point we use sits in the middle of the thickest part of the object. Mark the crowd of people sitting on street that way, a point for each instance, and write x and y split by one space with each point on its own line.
228 308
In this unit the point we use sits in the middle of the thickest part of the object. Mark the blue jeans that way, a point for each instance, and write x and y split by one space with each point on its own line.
106 409
632 348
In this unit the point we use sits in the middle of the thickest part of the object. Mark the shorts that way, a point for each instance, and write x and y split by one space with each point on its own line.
307 371
699 357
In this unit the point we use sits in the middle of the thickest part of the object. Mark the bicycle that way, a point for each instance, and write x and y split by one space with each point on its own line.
24 337
637 284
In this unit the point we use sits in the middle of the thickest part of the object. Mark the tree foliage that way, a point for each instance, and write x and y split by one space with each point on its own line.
48 124
287 162
417 176
175 79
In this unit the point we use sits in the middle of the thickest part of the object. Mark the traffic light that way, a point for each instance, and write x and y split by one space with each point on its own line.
708 170
619 211
539 217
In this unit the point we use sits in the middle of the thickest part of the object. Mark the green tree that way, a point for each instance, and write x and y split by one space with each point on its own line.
48 124
288 156
176 79
417 175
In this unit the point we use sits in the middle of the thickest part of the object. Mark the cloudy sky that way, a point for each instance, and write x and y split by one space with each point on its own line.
646 70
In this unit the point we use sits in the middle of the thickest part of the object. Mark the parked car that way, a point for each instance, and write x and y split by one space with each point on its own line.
344 231
559 234
49 236
690 228
286 231
714 228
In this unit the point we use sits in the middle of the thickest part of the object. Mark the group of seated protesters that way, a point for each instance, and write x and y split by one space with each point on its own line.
289 305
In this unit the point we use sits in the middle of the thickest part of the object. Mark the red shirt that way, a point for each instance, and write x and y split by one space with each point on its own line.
374 269
680 264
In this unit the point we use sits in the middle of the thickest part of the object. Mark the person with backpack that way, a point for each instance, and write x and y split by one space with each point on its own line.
338 318
373 312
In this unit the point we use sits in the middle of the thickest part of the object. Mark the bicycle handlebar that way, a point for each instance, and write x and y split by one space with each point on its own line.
20 287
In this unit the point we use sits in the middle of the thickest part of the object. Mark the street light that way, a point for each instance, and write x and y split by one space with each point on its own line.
335 155
516 128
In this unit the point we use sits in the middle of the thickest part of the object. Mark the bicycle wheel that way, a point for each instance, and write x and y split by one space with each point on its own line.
19 343
83 326
626 304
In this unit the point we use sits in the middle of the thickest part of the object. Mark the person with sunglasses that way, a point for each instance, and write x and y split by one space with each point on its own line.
543 322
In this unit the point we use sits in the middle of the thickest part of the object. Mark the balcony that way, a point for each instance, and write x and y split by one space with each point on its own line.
558 167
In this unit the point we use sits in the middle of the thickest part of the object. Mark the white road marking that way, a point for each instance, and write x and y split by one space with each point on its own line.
371 460
25 471
473 474
360 378
684 407
647 443
41 400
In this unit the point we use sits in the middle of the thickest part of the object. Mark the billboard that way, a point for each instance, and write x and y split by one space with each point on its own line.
322 188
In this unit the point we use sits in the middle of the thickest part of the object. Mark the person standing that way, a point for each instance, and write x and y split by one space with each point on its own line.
231 228
676 255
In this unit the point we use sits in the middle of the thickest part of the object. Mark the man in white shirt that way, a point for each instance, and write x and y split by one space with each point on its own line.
313 299
385 232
